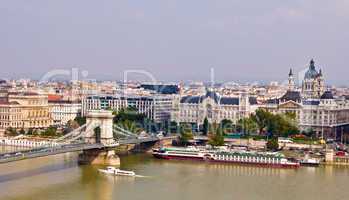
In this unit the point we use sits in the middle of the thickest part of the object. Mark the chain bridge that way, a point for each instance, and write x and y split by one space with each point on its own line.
95 138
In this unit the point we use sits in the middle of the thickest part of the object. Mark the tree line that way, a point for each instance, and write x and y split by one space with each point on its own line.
261 123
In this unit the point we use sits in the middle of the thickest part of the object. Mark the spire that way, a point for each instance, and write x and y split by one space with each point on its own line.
320 72
312 64
291 72
291 84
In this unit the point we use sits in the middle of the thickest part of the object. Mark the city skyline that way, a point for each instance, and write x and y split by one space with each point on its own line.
241 41
174 99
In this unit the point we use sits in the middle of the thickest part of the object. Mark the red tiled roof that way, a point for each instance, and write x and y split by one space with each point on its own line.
53 97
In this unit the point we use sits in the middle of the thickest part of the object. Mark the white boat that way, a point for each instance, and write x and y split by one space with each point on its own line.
310 162
117 172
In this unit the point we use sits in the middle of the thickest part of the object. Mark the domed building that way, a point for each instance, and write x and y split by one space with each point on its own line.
316 109
313 85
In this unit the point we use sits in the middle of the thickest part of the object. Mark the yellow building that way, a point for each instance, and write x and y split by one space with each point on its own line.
24 110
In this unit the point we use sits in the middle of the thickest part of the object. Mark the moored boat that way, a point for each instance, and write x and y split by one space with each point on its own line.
267 159
310 162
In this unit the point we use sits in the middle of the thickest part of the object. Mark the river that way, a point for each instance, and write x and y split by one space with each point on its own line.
60 178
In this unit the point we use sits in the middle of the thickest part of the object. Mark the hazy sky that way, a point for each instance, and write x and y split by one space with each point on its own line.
175 40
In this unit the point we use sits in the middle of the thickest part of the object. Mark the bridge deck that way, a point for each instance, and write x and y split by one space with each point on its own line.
46 151
65 148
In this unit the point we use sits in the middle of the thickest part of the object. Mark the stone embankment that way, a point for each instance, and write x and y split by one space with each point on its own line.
26 142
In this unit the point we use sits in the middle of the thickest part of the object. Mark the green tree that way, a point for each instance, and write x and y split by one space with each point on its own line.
227 126
186 134
291 115
11 132
30 131
262 118
310 133
273 144
282 125
80 120
22 131
206 126
216 139
130 114
247 126
130 126
174 128
50 132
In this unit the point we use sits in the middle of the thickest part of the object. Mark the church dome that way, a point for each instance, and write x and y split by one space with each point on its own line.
311 73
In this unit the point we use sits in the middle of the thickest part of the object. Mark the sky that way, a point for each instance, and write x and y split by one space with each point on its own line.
174 40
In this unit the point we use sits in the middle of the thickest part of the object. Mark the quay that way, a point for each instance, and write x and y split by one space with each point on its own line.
26 142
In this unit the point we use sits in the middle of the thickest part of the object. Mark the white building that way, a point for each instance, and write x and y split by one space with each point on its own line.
316 109
194 109
157 107
62 111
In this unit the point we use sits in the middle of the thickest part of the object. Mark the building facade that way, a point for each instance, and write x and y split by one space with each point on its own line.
63 111
194 109
25 110
157 107
316 110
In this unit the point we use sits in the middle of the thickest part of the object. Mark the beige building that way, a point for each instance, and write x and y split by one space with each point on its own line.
194 109
10 115
24 110
315 109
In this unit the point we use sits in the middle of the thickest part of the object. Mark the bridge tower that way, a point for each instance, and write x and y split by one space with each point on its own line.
102 120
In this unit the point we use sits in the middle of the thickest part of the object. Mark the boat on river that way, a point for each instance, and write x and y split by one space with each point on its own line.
117 172
311 162
266 159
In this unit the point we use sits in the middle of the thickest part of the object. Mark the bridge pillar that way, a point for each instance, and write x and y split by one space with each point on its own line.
99 157
102 119
105 156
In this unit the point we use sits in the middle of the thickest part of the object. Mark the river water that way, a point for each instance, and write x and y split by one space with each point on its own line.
60 178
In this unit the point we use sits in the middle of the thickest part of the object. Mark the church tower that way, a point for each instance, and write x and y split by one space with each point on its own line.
291 84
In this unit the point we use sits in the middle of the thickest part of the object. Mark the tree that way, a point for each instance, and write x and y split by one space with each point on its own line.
30 131
309 133
50 132
262 118
273 144
282 125
186 134
227 126
216 139
247 126
173 128
22 131
131 126
130 114
291 115
80 120
205 126
11 132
